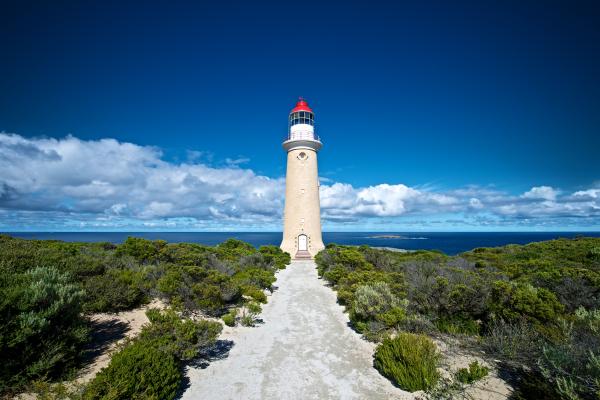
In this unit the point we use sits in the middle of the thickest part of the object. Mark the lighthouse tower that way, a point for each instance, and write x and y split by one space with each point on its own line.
302 216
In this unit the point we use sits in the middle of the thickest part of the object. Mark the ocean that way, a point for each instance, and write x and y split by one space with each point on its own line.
449 242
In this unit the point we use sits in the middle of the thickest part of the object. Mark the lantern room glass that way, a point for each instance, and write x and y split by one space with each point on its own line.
302 117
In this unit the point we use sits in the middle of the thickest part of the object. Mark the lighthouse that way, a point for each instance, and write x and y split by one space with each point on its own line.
302 215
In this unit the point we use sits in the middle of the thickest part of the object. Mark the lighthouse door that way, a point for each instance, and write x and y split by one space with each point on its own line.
302 243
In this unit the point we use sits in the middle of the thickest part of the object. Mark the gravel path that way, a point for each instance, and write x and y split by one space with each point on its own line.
304 350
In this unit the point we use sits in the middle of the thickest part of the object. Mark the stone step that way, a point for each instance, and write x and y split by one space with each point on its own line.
303 255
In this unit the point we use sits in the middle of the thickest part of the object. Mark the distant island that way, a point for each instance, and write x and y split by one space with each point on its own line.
391 236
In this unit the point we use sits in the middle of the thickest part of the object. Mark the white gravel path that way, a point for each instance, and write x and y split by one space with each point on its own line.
304 350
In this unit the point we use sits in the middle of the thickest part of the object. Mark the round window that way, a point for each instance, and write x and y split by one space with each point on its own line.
302 156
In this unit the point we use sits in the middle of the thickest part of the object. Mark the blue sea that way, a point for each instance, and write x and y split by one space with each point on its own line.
448 242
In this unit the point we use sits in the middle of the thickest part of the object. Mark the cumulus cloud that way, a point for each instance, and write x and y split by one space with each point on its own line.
541 192
69 183
111 178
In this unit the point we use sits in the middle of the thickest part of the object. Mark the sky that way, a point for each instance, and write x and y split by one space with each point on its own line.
435 116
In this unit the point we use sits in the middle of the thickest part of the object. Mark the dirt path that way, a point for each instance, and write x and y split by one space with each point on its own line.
304 350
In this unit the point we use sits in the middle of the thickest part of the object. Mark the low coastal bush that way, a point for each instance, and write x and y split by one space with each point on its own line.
184 338
229 318
572 365
515 341
41 328
408 360
276 256
526 304
114 291
249 314
150 366
138 371
472 374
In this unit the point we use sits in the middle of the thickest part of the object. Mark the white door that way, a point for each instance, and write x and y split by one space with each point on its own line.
302 243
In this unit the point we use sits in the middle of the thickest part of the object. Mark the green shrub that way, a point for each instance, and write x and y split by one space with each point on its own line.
572 365
258 277
139 371
249 314
274 254
409 360
472 374
246 320
41 329
182 338
229 318
514 341
149 367
114 291
233 249
255 293
144 251
335 274
254 308
371 300
516 300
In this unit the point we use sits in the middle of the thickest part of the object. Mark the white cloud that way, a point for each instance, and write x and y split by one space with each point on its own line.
541 192
106 184
108 177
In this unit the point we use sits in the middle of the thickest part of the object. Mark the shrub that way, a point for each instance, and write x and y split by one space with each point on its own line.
138 371
572 365
255 293
256 277
247 320
233 249
229 318
372 300
472 374
185 254
149 367
144 251
249 314
375 308
41 330
335 274
274 254
515 341
409 360
182 338
114 291
515 300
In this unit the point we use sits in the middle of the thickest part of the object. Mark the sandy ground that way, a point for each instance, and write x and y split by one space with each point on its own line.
303 350
108 330
454 357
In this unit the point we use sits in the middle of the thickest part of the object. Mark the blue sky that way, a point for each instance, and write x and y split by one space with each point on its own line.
434 115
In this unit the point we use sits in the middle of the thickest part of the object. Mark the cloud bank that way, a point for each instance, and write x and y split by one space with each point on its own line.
76 184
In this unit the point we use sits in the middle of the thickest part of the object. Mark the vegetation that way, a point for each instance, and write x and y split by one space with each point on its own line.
472 374
41 329
150 366
47 287
137 371
534 307
230 317
409 360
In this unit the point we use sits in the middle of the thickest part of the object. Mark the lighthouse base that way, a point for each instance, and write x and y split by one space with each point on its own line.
291 246
303 255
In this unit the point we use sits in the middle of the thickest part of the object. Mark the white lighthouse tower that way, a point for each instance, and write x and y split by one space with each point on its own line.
302 216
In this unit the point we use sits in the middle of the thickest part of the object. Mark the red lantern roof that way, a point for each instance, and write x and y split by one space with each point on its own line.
301 105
